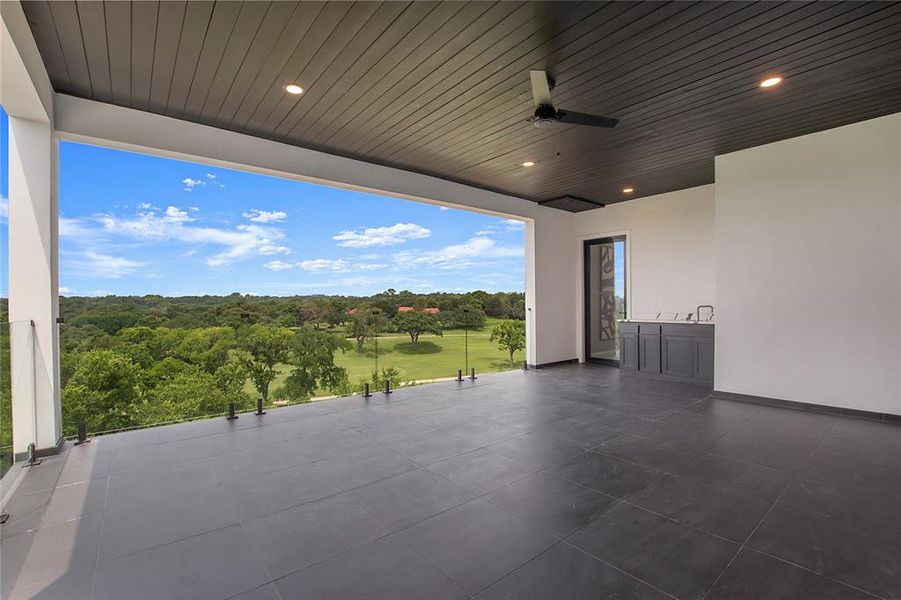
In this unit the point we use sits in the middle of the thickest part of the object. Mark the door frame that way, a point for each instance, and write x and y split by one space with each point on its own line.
586 291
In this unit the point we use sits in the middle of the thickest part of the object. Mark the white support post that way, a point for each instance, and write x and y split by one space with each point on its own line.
34 282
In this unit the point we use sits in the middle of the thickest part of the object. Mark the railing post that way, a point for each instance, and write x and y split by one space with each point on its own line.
82 434
387 386
260 410
231 412
473 375
459 375
32 459
366 393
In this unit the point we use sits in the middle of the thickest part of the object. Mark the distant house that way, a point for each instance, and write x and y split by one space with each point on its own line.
352 311
430 311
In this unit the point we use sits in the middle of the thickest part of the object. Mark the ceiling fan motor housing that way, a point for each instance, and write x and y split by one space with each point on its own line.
545 115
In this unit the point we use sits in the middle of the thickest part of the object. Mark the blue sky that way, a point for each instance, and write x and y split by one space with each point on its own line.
138 224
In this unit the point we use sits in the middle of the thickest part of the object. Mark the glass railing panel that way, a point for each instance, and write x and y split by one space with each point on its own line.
116 379
17 374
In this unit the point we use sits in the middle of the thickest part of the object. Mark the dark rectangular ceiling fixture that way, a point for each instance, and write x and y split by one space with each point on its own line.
572 203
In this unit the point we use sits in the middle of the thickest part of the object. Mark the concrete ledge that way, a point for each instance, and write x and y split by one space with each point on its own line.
806 406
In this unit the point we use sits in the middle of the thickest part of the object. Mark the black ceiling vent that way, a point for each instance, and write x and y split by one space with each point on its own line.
572 203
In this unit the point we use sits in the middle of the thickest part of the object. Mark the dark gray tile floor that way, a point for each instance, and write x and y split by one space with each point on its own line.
570 482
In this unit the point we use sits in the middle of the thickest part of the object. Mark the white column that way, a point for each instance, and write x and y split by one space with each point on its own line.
34 282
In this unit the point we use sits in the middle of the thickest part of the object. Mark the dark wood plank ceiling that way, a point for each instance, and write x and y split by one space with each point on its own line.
443 87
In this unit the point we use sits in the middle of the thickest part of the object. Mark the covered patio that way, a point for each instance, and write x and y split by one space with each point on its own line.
563 482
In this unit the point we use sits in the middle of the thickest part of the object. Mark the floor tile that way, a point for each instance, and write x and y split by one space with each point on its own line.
558 506
387 569
411 497
477 543
260 494
731 516
174 479
482 470
753 575
296 538
433 447
350 473
854 551
566 572
143 525
540 451
734 477
675 558
51 559
212 565
606 474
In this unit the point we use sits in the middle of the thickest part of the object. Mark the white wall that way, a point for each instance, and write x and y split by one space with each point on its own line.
669 256
808 268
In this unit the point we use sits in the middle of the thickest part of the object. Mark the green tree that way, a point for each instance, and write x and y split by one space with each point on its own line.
416 322
467 315
313 362
206 347
188 395
510 336
101 392
263 347
364 325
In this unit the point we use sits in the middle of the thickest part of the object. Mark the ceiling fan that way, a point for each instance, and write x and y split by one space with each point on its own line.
545 113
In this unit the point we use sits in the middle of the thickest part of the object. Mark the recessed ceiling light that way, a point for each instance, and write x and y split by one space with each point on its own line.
628 190
529 163
771 82
293 88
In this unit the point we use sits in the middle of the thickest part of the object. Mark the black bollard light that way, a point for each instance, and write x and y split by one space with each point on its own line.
82 434
260 410
231 412
472 376
525 365
366 393
31 457
459 374
387 386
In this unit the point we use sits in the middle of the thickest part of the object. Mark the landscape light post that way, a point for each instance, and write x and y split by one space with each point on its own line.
466 338
375 326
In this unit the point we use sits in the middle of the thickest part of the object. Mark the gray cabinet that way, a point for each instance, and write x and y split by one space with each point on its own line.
703 359
677 355
629 351
649 352
681 351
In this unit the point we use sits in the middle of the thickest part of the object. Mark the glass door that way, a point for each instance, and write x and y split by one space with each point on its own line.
605 297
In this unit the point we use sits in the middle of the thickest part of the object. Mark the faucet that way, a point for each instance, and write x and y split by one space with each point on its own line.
698 313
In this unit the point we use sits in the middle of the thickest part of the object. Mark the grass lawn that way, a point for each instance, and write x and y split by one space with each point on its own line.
433 357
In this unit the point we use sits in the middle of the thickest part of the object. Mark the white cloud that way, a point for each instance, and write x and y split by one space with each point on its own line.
100 265
210 176
457 255
177 215
318 265
381 236
265 216
369 266
190 184
144 206
277 265
513 224
242 241
444 207
67 291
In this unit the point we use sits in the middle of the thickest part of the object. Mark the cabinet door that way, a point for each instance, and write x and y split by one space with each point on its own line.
628 360
703 359
677 353
649 359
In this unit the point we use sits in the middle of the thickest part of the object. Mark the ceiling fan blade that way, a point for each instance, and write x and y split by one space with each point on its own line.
577 118
541 90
